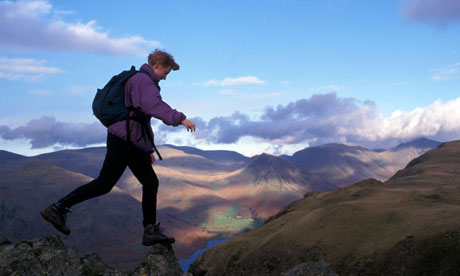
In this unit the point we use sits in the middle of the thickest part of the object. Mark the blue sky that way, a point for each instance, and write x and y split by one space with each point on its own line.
270 76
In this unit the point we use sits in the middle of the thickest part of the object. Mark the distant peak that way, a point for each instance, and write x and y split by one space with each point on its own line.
421 142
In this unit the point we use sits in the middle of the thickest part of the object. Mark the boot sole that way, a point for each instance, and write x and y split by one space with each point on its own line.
57 226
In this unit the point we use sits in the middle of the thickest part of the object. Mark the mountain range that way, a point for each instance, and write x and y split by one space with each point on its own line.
344 165
407 225
202 194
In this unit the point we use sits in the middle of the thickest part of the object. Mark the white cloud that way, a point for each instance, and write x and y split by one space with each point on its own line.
326 118
249 80
26 69
447 73
438 120
320 119
30 25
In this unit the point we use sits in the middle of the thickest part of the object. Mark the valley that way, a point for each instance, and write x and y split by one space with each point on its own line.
407 225
203 195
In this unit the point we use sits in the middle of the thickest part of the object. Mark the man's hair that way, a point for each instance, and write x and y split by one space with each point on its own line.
164 58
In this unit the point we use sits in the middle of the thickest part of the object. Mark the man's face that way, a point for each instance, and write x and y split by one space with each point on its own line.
161 71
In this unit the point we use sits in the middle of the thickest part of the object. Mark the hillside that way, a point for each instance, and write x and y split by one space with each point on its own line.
217 203
344 164
110 226
87 161
199 198
268 183
407 225
421 143
9 162
221 156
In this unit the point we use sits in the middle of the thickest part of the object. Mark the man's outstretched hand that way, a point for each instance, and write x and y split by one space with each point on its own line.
189 125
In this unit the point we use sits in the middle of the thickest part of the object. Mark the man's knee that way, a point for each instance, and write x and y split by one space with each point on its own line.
106 189
150 187
105 184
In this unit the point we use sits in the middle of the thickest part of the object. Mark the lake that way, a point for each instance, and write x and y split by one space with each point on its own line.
185 263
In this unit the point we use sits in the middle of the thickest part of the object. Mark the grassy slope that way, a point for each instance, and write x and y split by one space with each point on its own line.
358 228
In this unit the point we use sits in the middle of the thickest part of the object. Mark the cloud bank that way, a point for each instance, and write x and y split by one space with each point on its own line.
25 69
46 131
320 119
34 25
438 12
326 118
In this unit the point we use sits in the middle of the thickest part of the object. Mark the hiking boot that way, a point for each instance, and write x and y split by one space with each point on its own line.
57 217
153 234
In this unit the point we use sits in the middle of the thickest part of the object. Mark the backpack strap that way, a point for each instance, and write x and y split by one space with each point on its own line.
128 124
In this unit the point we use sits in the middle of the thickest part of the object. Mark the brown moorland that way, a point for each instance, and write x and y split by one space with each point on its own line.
408 225
216 202
203 195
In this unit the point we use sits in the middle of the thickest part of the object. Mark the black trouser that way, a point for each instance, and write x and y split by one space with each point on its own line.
119 155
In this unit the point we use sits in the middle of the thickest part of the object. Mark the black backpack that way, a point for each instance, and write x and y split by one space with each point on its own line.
109 103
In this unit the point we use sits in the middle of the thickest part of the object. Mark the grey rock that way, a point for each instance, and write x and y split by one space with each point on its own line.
92 264
49 256
160 261
320 268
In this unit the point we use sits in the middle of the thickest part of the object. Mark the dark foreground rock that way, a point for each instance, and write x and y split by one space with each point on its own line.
49 256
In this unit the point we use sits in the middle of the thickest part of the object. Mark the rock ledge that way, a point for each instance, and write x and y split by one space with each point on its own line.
49 256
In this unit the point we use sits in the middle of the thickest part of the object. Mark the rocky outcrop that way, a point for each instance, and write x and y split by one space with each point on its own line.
49 256
160 261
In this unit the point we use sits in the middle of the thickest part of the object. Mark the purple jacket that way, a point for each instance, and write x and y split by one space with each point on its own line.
144 95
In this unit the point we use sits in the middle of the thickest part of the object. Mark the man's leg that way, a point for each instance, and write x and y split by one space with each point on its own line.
141 166
114 165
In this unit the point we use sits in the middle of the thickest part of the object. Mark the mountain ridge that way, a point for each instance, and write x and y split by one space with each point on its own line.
418 143
344 164
198 198
407 225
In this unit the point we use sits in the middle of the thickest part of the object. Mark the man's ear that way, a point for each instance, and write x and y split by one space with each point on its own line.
156 65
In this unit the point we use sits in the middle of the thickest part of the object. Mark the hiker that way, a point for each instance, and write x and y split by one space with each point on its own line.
142 96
